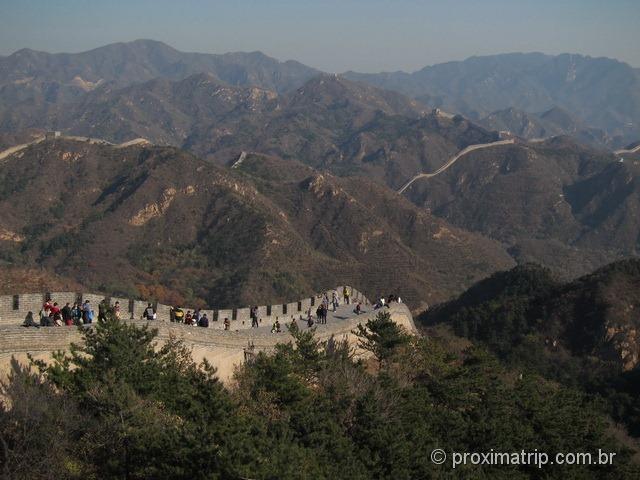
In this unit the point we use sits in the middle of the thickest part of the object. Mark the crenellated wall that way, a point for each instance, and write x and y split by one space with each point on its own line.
223 349
10 315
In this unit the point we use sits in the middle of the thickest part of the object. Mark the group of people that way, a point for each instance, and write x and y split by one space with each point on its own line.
80 313
196 319
384 302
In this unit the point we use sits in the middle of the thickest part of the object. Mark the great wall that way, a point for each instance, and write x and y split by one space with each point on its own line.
224 349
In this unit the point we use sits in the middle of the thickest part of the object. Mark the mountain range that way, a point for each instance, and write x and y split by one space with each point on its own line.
267 230
602 92
599 93
297 173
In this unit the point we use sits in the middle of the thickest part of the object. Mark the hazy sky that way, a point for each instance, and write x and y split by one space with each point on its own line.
333 35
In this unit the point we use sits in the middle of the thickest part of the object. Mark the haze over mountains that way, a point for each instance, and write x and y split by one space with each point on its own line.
600 93
315 196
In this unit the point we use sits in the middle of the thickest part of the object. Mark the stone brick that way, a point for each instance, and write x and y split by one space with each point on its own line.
243 318
163 312
64 297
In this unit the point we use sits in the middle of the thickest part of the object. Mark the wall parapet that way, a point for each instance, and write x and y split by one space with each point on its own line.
224 349
14 308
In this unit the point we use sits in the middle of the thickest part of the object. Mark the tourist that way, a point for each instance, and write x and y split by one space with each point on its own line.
187 318
149 312
346 295
227 324
86 312
67 317
29 321
102 311
334 300
379 303
204 322
293 323
196 317
178 315
48 305
276 326
309 319
116 310
254 317
55 315
76 314
44 318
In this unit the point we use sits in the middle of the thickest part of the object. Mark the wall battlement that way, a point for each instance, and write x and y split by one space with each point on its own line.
224 349
14 308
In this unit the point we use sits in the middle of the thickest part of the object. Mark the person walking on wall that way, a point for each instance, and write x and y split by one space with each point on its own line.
86 312
102 311
334 300
254 317
149 313
345 294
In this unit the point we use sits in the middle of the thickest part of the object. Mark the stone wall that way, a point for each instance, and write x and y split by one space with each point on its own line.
224 349
14 308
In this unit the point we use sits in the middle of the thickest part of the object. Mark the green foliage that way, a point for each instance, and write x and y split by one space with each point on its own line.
127 407
381 336
534 323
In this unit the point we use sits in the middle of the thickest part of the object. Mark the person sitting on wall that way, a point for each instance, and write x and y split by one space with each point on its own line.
187 318
204 321
379 304
29 321
44 318
276 326
149 312
178 315
227 324
67 318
